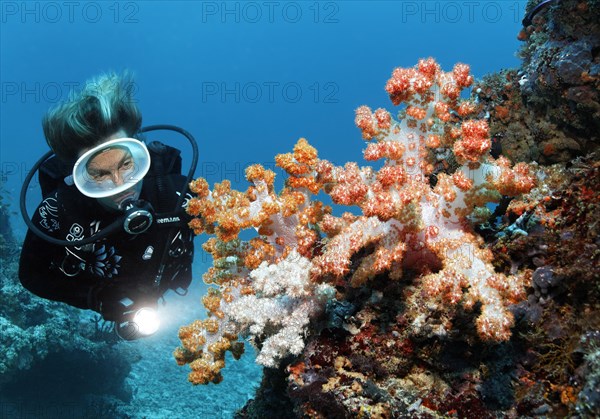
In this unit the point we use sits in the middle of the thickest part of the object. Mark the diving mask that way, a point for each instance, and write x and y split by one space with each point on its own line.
111 168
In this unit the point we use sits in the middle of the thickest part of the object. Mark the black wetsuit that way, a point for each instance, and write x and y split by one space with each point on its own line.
122 263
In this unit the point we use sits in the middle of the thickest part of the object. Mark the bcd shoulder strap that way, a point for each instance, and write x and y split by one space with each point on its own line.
165 160
52 172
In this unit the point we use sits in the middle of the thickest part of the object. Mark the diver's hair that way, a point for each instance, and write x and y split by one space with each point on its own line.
104 106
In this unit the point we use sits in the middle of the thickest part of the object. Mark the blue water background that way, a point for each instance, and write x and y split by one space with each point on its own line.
246 78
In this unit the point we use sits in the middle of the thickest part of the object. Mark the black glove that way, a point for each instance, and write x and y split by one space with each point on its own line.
179 283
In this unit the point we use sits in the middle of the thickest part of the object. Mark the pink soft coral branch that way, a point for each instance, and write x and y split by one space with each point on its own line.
270 287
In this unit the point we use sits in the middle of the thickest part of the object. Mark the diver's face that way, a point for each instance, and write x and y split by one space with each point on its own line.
112 167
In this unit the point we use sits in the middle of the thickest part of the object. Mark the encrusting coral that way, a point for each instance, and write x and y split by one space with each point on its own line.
417 212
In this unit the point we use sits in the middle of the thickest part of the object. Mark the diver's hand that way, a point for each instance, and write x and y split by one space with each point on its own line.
104 299
116 302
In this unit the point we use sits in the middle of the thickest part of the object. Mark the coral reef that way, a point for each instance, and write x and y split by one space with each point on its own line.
373 365
427 301
560 318
560 64
273 286
549 109
44 342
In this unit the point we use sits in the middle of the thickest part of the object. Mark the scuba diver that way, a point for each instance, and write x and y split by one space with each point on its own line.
111 232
